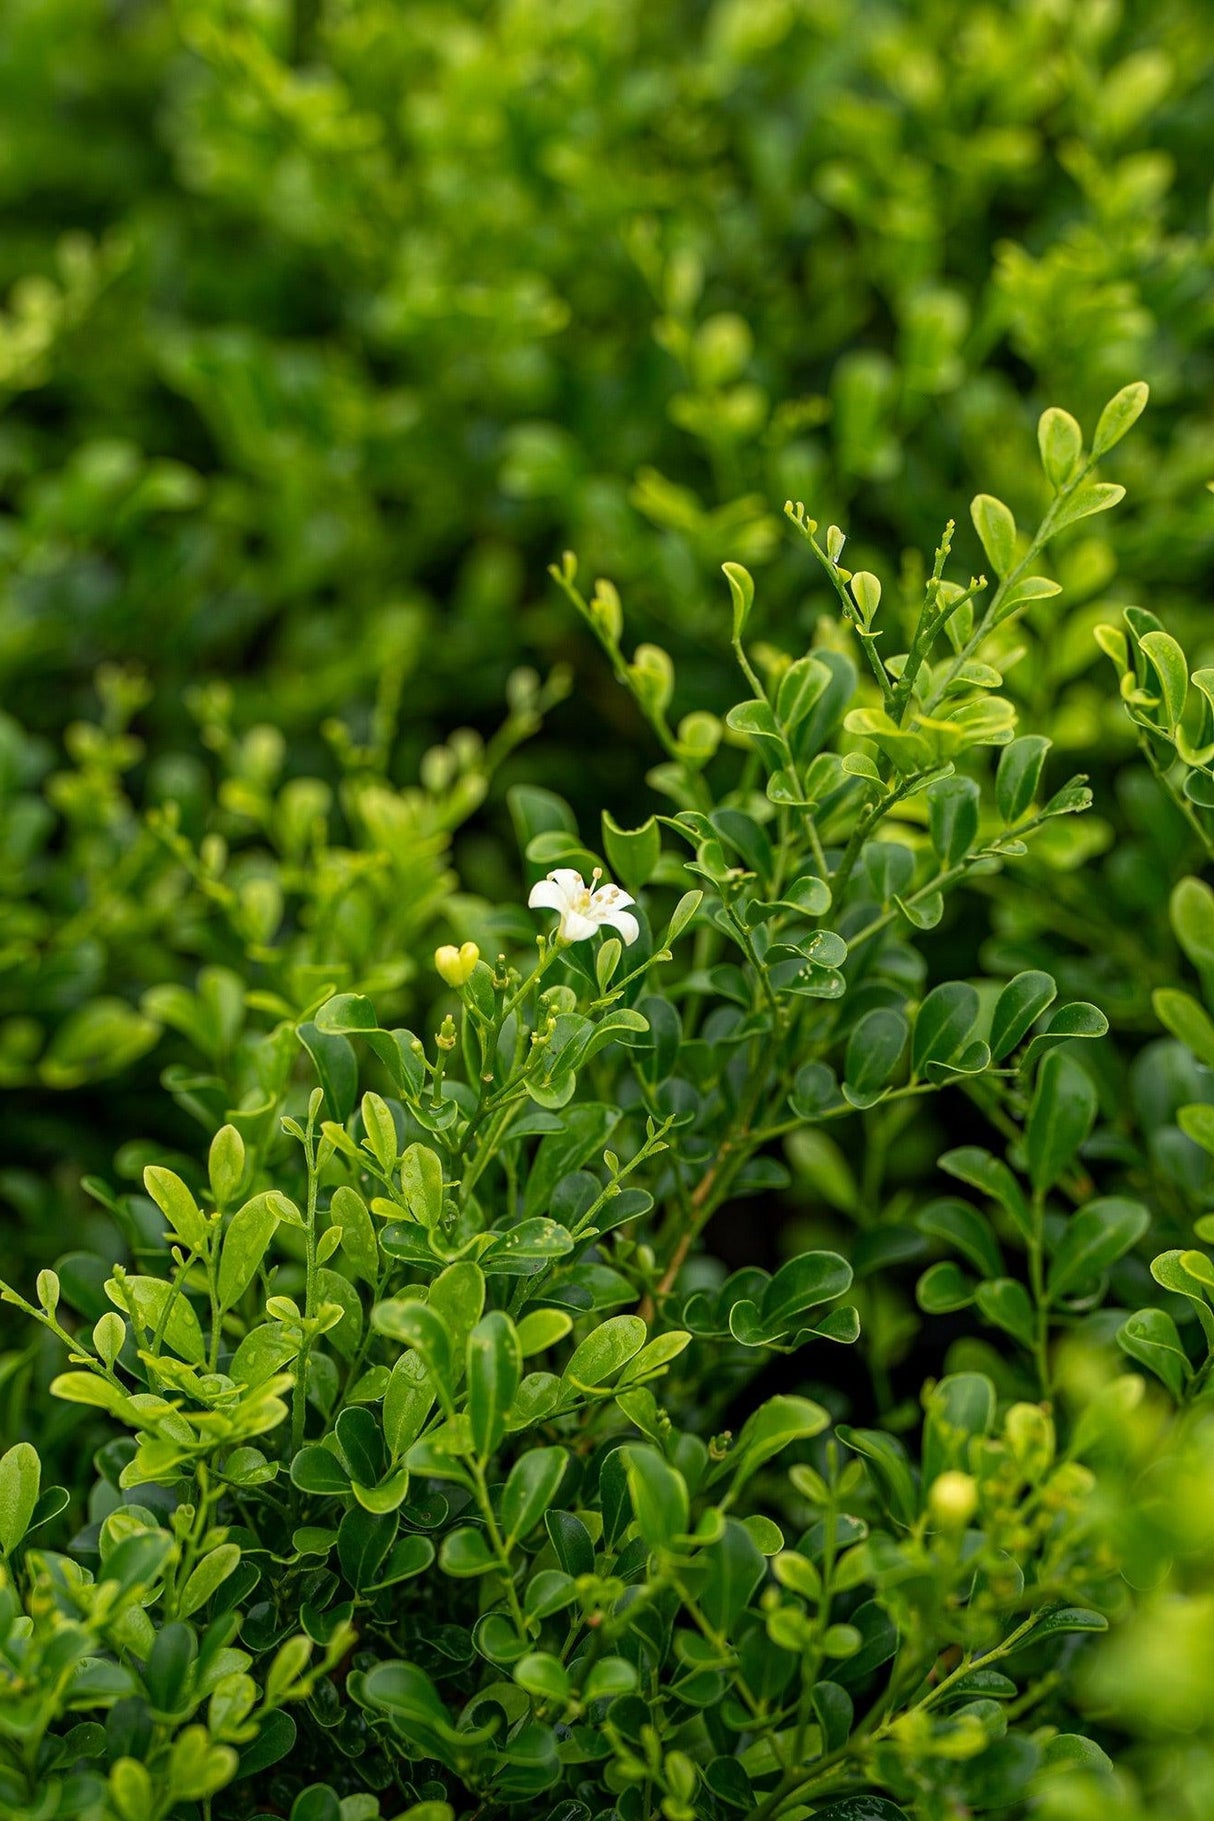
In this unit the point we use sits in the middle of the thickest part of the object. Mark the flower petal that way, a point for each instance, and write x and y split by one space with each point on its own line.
547 896
568 881
626 923
609 898
577 928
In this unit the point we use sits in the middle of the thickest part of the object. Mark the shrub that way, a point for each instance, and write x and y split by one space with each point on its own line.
744 1352
437 1461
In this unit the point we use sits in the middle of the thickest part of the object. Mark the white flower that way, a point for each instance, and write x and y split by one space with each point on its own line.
584 909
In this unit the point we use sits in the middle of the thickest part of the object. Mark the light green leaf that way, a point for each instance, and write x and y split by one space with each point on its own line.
996 528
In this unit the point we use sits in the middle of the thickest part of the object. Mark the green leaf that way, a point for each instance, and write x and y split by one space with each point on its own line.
244 1247
1119 415
1021 593
944 1021
408 1557
888 1465
1097 1236
774 1426
742 593
380 1128
529 1243
166 1673
363 1540
1018 1008
1096 496
1060 1118
336 1069
465 1554
1150 1336
633 854
346 1012
943 1288
1171 667
20 1478
804 1283
734 1568
953 817
1064 1620
317 1470
874 1050
604 1352
996 529
659 1497
349 1212
415 1324
1181 1014
1067 1023
421 1181
866 592
1192 913
361 1443
226 1165
535 1479
540 1329
495 1366
1019 775
1197 1123
801 688
159 1308
1006 1303
413 1705
756 720
684 911
609 1678
862 1808
1060 441
963 1227
177 1205
958 1408
207 1578
543 1676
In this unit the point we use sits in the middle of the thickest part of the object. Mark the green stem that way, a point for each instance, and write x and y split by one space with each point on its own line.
299 1396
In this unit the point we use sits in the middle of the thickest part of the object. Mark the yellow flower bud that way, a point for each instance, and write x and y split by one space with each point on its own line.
953 1500
455 965
1030 1436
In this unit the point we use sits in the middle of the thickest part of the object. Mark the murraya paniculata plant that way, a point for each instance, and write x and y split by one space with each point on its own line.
440 1469
325 323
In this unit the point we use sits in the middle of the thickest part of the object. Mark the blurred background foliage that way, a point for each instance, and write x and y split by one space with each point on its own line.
327 326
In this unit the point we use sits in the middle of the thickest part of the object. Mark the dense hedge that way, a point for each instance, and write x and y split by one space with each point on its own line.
343 347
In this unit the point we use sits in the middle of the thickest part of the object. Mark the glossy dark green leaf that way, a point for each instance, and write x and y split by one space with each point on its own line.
953 817
659 1497
494 1368
964 1228
363 1540
1150 1336
1006 1303
1094 1238
943 1022
1060 1118
336 1068
943 1288
874 1050
1018 775
1018 1008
